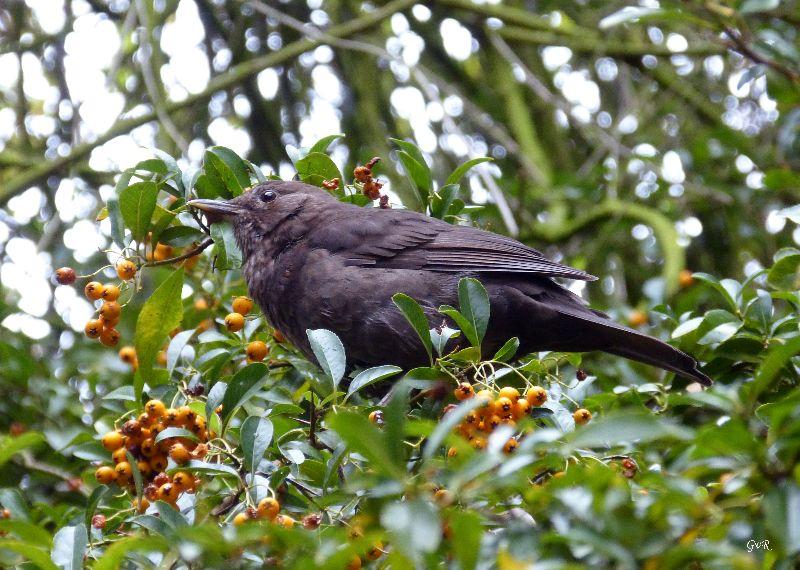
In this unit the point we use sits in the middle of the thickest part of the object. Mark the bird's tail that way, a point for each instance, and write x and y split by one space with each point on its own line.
628 343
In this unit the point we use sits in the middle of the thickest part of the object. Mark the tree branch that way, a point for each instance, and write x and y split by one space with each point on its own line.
41 171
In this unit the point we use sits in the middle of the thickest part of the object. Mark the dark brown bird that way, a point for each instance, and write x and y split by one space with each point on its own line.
313 262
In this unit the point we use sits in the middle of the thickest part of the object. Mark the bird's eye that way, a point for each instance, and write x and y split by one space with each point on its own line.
268 196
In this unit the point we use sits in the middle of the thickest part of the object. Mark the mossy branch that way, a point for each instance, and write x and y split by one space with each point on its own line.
663 228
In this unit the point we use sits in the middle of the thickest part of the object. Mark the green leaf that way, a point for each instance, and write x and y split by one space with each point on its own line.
363 437
414 526
467 527
718 286
13 500
411 149
371 376
462 323
114 555
236 165
759 311
255 437
91 504
687 326
626 427
171 432
456 176
215 396
419 174
180 236
170 515
784 272
243 386
161 313
10 446
507 351
414 314
777 357
137 203
28 532
226 252
209 186
216 167
442 200
627 14
315 167
473 302
69 546
35 555
329 351
116 219
196 466
322 144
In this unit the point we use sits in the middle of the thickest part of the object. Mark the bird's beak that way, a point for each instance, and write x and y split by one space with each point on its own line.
215 210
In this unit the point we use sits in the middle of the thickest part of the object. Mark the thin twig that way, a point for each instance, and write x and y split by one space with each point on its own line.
191 253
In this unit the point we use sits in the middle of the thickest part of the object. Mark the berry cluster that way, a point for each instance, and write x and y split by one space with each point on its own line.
506 407
268 509
103 327
137 440
369 186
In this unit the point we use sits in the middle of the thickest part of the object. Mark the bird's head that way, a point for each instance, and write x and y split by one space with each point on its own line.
258 214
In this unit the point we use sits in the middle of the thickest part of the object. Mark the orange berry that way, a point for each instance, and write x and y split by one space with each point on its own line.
183 481
200 305
93 328
522 408
119 455
452 452
234 322
510 445
65 276
113 440
354 564
478 443
278 336
144 467
257 350
126 270
105 475
127 354
581 416
685 278
242 305
161 358
375 551
158 463
170 417
285 521
155 408
509 392
93 290
162 252
110 337
443 497
179 454
240 519
536 396
168 493
268 508
110 292
141 506
148 447
637 318
185 416
464 391
124 471
376 417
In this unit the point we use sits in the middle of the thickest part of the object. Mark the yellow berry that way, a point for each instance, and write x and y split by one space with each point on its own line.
93 290
93 329
110 292
268 508
105 475
126 270
581 416
113 440
464 391
257 350
127 354
234 322
109 337
242 305
536 396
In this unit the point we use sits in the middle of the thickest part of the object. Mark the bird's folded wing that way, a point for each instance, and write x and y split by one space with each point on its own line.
415 243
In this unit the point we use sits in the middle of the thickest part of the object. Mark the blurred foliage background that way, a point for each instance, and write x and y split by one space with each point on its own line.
632 140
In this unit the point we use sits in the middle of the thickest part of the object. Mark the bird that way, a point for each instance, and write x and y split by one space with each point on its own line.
312 261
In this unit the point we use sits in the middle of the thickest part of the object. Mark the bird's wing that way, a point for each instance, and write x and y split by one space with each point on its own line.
406 240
